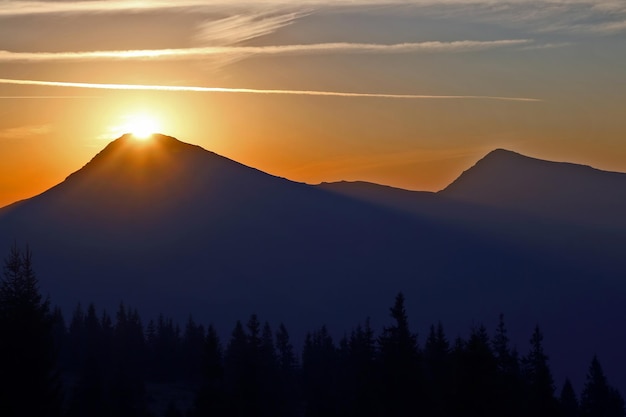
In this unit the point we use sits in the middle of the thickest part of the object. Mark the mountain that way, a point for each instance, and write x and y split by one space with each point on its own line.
559 191
171 228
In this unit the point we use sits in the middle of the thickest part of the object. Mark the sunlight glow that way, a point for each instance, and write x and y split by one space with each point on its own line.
141 126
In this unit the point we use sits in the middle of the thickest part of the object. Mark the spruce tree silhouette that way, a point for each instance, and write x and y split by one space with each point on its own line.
319 374
210 400
128 393
89 395
288 382
268 377
568 403
76 340
192 350
241 369
538 377
60 336
437 372
363 372
477 376
165 349
598 398
399 361
29 381
508 399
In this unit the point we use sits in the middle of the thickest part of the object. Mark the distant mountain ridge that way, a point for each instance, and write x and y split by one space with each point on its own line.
170 227
556 190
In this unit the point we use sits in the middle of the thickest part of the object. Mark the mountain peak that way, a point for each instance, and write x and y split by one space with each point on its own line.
502 171
501 157
160 173
503 153
559 190
157 142
131 157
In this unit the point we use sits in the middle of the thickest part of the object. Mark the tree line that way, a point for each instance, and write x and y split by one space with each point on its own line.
99 365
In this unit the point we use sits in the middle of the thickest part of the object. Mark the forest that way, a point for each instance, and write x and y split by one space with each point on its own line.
97 364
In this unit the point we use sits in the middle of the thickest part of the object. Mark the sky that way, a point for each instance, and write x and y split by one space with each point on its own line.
403 93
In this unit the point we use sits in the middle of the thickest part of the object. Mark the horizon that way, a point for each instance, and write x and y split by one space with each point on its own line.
144 136
405 94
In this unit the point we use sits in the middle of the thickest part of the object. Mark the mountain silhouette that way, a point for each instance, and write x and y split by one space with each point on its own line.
563 192
171 228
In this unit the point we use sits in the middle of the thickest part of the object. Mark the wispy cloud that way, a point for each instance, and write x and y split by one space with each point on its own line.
318 48
247 19
25 131
546 46
179 88
19 7
241 27
601 28
234 29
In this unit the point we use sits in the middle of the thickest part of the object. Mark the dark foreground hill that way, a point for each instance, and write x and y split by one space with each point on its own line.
169 227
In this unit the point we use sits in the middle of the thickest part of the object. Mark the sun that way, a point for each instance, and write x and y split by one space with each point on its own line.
141 126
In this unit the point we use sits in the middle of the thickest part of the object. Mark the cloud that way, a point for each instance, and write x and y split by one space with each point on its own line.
241 27
179 88
253 18
604 28
19 7
25 131
546 46
303 49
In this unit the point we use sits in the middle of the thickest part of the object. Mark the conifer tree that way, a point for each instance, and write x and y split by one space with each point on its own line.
437 371
240 370
166 349
210 400
77 340
89 395
319 373
289 393
506 360
192 350
128 394
568 403
286 358
508 399
29 382
538 378
477 374
268 377
363 371
60 337
598 399
399 361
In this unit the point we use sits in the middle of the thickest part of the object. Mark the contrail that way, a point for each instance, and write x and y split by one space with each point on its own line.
142 87
318 48
47 97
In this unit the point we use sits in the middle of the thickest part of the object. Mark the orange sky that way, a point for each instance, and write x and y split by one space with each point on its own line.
570 57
